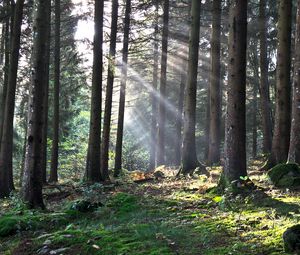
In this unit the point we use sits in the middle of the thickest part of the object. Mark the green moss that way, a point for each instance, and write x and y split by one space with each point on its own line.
285 175
123 203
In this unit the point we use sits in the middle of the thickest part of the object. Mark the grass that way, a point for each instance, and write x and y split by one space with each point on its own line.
159 218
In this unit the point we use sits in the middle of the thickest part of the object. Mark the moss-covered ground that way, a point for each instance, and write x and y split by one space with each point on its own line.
159 217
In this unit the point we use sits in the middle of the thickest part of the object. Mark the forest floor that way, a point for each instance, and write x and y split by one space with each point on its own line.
156 217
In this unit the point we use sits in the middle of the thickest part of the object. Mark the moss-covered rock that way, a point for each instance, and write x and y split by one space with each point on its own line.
291 239
285 175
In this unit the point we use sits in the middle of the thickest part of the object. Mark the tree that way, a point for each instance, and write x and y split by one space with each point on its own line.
109 90
45 102
119 142
294 148
7 36
162 89
6 151
32 183
189 157
281 137
93 173
154 102
215 87
235 127
264 83
55 141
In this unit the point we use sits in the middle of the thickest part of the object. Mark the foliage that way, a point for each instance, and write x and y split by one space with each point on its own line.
135 156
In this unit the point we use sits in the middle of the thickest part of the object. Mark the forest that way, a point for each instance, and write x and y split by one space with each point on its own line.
152 127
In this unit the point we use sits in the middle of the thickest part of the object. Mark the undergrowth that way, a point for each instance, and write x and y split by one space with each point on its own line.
159 218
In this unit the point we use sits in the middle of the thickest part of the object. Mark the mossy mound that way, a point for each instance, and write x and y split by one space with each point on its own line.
291 239
285 175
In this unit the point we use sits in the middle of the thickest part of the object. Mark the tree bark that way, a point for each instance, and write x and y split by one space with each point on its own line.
254 121
189 157
154 102
6 151
179 115
215 87
45 98
294 148
235 130
264 83
109 90
7 47
93 167
281 137
32 184
162 89
119 142
55 141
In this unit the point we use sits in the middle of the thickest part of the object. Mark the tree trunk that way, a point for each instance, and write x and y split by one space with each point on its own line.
294 149
281 137
93 167
153 94
254 121
119 142
45 98
179 116
264 83
6 67
109 90
55 141
162 90
235 130
6 151
189 157
215 87
32 184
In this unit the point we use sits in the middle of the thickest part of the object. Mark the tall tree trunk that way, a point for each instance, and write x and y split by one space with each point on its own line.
189 157
32 184
281 137
215 87
6 66
235 130
6 151
153 94
294 149
179 115
93 172
207 124
162 89
264 83
45 98
119 142
109 90
254 121
55 141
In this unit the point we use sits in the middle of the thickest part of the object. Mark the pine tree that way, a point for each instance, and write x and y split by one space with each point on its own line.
93 173
32 183
119 142
235 130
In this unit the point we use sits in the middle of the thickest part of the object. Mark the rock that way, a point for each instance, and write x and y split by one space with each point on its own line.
85 206
285 175
291 239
